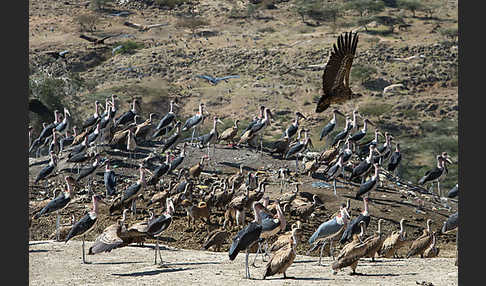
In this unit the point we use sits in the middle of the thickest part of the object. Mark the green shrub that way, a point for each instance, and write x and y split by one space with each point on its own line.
170 3
128 47
411 5
362 72
375 108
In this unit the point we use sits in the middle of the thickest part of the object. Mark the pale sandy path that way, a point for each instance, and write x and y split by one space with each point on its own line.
54 263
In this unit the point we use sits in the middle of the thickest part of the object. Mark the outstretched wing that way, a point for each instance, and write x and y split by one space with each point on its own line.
336 74
87 38
157 25
132 25
206 77
227 77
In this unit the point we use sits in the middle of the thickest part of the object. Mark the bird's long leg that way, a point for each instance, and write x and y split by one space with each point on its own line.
266 251
155 251
134 207
331 249
192 137
246 263
438 189
160 253
334 187
256 254
261 145
57 225
320 253
84 259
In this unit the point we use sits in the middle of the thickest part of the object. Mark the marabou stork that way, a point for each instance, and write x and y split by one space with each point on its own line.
178 160
329 127
257 129
336 170
435 174
173 139
48 127
48 169
364 148
450 224
361 133
86 223
270 225
353 225
385 149
354 121
85 172
395 159
54 146
454 192
364 166
341 135
60 202
68 139
194 121
256 119
168 118
93 118
211 137
369 185
65 121
131 193
300 147
157 225
110 180
79 148
159 172
129 115
328 229
292 129
244 240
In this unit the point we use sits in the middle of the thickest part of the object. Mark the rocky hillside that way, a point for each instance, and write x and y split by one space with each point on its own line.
278 56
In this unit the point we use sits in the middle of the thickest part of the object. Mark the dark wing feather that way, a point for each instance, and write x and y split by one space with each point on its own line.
337 69
87 38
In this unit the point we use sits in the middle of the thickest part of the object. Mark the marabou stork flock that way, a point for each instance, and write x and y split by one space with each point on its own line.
262 223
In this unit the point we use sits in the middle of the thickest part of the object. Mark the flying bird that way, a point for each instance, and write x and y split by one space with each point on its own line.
335 79
216 80
143 28
95 41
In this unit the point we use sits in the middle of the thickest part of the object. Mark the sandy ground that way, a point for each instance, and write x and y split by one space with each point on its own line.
56 263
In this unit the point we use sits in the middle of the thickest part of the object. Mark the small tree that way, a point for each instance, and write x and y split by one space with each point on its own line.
87 22
411 5
366 7
99 5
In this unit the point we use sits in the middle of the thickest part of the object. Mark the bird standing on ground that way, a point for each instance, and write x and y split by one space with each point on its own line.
86 223
194 121
327 229
168 118
230 133
393 242
282 258
48 169
420 244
